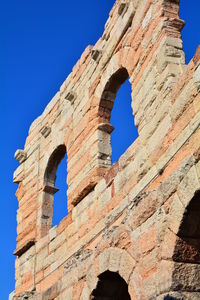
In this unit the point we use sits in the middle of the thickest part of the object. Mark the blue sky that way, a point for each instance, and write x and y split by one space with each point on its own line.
40 43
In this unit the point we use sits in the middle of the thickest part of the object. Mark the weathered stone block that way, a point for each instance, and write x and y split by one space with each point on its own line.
20 155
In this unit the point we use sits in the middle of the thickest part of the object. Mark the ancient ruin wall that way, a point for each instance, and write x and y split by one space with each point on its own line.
138 218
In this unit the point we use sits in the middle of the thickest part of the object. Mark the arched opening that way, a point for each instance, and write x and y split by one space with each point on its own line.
125 132
188 244
110 286
56 172
60 198
120 116
186 256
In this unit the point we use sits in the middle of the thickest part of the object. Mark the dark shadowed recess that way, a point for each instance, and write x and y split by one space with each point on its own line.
111 286
188 243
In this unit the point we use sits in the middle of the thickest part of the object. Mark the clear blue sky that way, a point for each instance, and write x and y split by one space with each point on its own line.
40 42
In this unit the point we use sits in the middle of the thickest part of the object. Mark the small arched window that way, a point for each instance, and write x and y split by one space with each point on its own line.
50 189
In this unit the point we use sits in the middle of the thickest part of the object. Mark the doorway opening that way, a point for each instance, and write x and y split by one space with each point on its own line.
111 286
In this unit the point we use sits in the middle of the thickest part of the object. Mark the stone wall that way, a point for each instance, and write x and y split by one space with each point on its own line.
139 217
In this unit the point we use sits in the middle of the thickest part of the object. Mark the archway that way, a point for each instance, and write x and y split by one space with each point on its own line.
110 286
186 256
49 187
120 114
125 132
60 198
188 243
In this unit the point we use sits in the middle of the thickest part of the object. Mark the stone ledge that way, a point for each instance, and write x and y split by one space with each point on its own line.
83 193
27 245
106 127
50 189
20 155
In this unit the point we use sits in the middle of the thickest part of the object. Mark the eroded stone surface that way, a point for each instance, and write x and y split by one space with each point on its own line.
138 218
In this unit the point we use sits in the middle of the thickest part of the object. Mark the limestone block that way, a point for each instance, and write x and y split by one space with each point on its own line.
100 187
53 233
136 283
59 239
119 181
195 123
114 260
147 18
40 259
104 198
42 243
164 276
159 134
85 294
59 257
27 256
126 267
104 260
91 278
150 287
18 174
67 294
188 186
176 214
174 42
20 155
48 260
182 101
188 275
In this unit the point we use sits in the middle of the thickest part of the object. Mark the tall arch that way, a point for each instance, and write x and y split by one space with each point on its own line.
54 160
49 187
109 93
105 109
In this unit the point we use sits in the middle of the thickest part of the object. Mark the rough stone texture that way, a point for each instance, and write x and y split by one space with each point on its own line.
139 217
